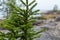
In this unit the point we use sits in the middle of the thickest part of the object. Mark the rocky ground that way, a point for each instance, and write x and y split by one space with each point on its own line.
53 32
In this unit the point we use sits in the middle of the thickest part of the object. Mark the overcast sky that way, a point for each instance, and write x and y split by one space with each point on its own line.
47 4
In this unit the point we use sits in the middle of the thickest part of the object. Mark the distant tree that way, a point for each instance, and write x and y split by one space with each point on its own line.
55 8
7 10
1 5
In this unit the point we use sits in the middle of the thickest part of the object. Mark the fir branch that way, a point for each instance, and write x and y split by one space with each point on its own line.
14 7
36 11
32 2
23 2
44 29
36 36
18 9
33 6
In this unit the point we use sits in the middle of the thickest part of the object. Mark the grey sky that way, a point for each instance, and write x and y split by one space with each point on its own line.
47 4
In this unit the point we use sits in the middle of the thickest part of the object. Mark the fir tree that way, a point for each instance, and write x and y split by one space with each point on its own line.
19 23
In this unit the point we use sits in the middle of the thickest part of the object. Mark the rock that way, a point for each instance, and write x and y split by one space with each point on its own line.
37 23
57 19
